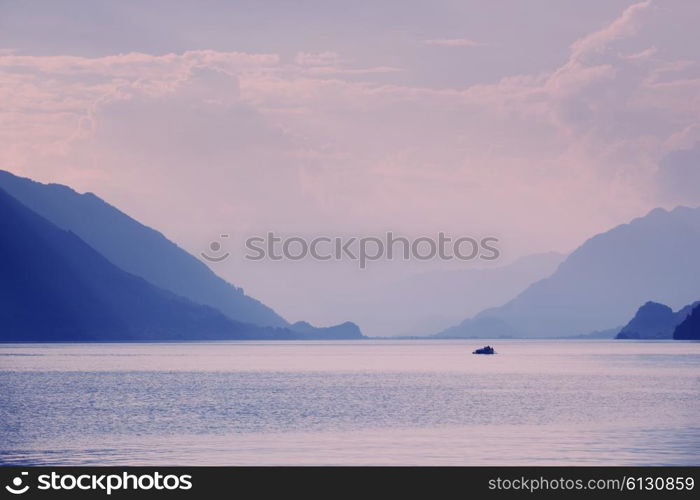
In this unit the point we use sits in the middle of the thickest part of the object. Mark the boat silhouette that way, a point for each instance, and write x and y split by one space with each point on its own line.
485 350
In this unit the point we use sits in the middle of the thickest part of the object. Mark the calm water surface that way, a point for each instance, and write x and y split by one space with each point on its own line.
362 402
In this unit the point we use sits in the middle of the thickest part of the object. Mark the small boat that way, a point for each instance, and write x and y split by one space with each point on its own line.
485 350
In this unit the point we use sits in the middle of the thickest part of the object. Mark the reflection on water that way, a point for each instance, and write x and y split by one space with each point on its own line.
369 402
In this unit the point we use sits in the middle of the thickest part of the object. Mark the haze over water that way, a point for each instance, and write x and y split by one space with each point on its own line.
363 402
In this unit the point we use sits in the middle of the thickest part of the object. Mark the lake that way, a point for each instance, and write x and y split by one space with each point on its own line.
374 402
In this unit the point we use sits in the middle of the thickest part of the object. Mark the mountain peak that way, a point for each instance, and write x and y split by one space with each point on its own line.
602 282
136 248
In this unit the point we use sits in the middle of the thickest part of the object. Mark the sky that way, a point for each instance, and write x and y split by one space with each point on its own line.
541 122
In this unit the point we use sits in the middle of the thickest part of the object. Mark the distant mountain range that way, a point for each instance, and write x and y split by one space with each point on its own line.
136 248
601 284
343 331
56 287
127 282
415 302
73 267
479 328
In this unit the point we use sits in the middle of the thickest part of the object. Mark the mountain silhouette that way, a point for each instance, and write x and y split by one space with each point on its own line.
419 302
56 287
478 328
654 321
136 248
343 331
689 329
601 284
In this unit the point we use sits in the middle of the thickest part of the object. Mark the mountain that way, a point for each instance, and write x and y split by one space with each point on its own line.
601 284
610 333
56 287
654 321
439 298
407 299
479 328
689 329
136 248
343 331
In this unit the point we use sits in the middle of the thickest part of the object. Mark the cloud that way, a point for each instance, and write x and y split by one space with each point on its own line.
625 25
316 142
327 58
644 54
678 176
453 42
331 63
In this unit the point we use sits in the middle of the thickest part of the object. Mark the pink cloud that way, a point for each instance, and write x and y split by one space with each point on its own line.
583 137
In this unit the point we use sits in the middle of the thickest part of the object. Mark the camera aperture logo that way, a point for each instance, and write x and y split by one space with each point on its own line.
106 483
16 487
215 248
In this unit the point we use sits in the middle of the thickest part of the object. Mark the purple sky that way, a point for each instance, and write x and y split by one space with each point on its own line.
540 122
